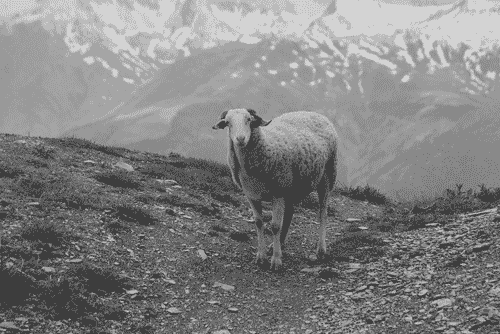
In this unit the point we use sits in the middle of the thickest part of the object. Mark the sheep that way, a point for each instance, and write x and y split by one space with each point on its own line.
281 161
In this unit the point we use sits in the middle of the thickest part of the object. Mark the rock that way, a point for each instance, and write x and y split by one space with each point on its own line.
222 331
480 213
168 182
480 247
495 291
123 165
74 260
132 292
214 302
310 270
351 220
423 292
225 287
202 254
444 302
174 310
8 325
491 312
232 309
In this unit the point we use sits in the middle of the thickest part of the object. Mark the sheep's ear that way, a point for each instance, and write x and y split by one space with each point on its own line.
257 120
222 123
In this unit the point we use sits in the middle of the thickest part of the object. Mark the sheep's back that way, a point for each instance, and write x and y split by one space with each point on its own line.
298 145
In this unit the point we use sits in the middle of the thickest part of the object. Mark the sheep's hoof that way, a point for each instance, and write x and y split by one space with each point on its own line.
270 249
259 259
321 253
275 263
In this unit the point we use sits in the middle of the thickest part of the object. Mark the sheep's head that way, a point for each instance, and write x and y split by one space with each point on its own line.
240 122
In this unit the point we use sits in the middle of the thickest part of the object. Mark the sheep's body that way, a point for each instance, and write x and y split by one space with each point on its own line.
282 162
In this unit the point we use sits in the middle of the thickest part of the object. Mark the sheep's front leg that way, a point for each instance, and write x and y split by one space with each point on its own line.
287 220
261 244
278 215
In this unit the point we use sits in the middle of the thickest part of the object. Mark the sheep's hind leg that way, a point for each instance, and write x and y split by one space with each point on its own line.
276 227
322 217
261 243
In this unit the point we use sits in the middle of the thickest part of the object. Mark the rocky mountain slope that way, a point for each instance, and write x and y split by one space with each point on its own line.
101 239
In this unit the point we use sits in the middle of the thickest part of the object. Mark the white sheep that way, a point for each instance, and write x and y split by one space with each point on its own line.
281 161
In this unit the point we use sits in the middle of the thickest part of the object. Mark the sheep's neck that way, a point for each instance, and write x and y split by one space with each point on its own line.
244 154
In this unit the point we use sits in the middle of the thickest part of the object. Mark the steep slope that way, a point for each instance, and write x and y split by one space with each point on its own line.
455 143
46 88
176 109
407 132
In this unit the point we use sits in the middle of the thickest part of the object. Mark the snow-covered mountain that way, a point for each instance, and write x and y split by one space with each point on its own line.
411 111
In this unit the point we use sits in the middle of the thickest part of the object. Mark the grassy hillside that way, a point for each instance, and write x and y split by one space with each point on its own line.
100 239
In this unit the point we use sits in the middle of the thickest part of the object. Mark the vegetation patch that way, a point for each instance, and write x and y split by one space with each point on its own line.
89 145
9 171
117 227
195 173
239 236
73 193
366 193
219 228
226 198
311 202
44 152
16 286
75 293
361 246
119 178
186 202
47 232
131 213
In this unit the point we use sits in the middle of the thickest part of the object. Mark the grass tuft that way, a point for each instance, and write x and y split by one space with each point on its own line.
362 246
131 213
118 178
46 232
9 171
366 193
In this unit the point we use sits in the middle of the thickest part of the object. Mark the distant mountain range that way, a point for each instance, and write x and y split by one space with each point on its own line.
413 120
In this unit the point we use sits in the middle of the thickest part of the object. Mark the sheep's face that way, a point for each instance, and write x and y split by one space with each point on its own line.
240 123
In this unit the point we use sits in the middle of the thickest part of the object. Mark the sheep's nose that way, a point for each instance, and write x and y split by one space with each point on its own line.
240 140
